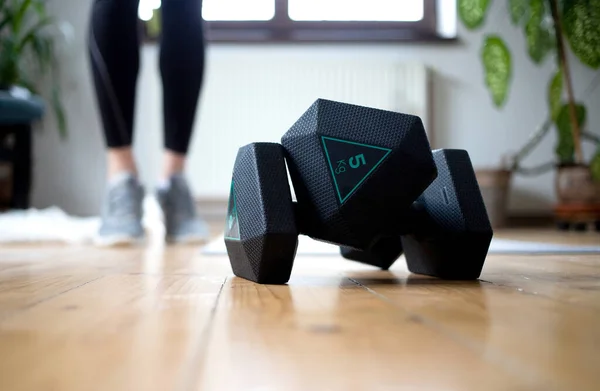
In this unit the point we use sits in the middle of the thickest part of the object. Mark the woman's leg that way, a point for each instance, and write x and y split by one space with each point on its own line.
114 54
114 60
182 54
182 59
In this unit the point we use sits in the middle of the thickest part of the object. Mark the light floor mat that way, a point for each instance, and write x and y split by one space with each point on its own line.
308 246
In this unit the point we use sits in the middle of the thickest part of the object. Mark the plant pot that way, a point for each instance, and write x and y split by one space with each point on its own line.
574 185
495 186
578 196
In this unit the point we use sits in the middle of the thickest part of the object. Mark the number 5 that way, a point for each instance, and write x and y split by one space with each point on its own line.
360 159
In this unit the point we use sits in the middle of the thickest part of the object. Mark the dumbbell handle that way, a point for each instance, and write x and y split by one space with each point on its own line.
411 221
300 216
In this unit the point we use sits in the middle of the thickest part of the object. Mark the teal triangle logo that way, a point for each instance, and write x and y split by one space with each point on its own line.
351 163
232 226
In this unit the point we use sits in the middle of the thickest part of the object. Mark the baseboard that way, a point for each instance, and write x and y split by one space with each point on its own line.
212 209
533 220
215 209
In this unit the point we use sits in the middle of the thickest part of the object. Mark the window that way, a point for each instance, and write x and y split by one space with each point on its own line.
311 20
356 10
238 10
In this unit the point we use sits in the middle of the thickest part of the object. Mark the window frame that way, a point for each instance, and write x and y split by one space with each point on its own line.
282 29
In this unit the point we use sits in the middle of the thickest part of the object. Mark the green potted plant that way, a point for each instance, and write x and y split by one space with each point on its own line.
549 27
27 52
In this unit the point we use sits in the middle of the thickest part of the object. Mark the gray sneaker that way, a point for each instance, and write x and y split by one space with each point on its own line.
182 223
122 213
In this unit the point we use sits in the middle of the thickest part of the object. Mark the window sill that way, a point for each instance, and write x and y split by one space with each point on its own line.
236 34
316 35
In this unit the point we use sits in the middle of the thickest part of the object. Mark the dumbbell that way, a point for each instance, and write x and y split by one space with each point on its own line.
350 167
446 233
261 233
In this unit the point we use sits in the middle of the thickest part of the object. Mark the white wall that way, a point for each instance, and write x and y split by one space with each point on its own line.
70 174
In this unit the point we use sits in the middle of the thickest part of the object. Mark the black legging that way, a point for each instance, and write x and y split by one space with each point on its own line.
114 52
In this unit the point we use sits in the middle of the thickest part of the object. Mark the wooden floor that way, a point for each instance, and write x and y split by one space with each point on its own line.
166 318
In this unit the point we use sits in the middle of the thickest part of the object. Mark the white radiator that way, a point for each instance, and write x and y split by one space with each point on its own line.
256 97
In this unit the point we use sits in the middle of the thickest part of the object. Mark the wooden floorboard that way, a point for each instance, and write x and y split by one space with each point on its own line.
121 332
531 336
335 335
167 318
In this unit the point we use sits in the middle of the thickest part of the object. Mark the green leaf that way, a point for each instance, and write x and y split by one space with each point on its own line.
42 47
472 12
595 166
3 9
23 8
40 8
518 9
154 25
581 21
20 16
498 68
565 148
33 32
9 61
555 94
540 36
6 17
59 111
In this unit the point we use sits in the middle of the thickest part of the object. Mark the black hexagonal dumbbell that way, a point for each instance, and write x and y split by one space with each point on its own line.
263 223
446 233
452 233
351 167
261 233
382 253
